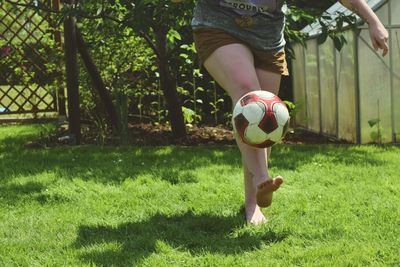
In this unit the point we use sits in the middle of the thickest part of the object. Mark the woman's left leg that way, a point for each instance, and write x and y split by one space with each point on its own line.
269 81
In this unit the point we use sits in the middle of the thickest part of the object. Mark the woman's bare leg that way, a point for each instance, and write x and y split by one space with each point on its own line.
271 82
232 66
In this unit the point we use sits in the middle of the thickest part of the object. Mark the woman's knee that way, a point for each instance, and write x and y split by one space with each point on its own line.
242 85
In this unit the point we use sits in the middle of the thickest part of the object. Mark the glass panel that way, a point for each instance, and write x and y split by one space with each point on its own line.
312 86
299 85
328 87
346 82
395 11
395 53
375 97
383 13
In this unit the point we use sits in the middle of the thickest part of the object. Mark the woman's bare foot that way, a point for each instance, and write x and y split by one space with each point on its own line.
254 215
266 189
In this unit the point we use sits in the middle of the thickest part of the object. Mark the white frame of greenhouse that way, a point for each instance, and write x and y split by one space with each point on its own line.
341 93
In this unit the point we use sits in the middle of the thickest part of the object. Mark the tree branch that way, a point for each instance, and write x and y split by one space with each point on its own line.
150 43
101 15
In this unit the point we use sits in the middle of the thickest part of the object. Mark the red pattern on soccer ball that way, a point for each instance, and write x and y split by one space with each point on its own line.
249 99
241 124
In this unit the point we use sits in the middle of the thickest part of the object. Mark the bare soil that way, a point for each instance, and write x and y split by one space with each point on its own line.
147 134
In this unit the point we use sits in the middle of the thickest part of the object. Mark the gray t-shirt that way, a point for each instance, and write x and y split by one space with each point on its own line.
272 8
267 20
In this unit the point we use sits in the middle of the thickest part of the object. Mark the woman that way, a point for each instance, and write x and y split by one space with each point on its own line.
241 45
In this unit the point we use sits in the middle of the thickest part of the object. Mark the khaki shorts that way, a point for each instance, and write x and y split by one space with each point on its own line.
207 40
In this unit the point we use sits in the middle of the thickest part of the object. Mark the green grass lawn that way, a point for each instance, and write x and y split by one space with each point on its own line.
183 206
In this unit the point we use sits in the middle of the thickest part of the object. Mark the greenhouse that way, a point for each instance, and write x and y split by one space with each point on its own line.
352 94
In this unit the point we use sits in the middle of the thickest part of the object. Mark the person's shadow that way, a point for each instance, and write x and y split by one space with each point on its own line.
187 232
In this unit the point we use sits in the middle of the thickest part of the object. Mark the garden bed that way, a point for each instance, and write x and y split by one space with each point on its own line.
148 134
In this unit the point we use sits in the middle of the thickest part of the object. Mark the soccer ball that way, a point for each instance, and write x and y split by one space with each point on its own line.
261 119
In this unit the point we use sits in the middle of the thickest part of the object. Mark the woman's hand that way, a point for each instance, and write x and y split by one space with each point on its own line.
379 37
378 33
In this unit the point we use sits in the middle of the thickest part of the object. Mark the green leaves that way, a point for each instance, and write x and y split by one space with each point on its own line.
189 116
339 40
331 25
172 36
376 133
296 18
373 122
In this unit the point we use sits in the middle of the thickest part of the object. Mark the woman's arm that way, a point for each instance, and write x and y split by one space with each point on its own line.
378 33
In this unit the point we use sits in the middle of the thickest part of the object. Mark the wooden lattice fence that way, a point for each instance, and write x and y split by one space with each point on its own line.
30 54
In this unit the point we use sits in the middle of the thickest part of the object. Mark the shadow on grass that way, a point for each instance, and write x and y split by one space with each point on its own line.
172 164
196 234
113 164
13 193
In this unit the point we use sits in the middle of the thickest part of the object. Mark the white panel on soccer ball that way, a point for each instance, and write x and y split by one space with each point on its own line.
281 114
265 94
276 135
254 134
254 112
237 110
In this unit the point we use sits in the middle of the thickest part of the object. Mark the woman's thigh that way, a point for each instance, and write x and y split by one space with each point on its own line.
232 67
269 81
